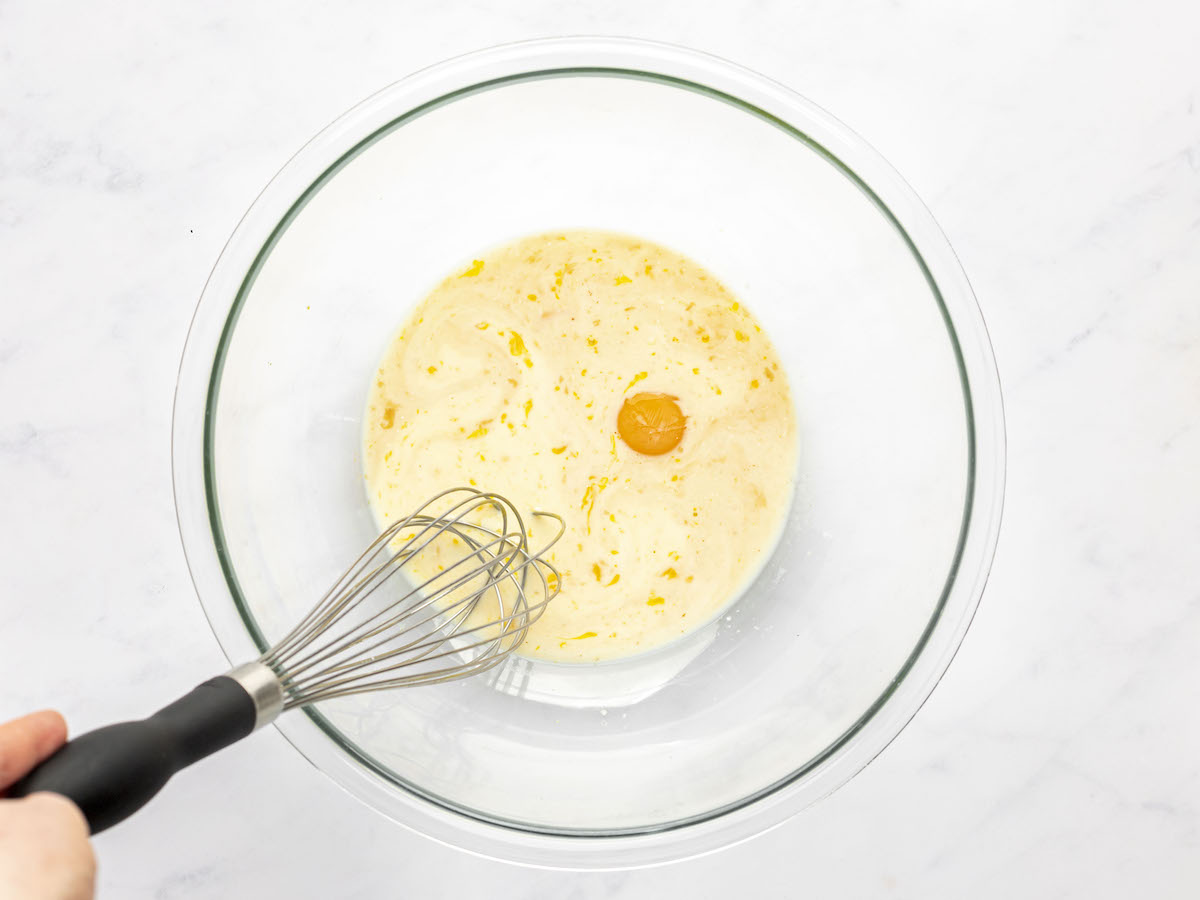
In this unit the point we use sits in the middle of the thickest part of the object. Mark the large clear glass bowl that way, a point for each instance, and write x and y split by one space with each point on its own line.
861 606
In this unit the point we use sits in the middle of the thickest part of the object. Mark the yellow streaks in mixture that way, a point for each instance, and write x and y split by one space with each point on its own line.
486 384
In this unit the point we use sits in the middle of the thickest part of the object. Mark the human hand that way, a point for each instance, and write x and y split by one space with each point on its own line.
44 848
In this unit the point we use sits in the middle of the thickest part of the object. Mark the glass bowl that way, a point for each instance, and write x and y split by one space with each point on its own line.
858 611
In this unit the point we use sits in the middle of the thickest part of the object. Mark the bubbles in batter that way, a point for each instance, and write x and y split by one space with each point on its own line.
618 384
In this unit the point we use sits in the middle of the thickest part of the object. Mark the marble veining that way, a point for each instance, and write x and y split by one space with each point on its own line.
1056 144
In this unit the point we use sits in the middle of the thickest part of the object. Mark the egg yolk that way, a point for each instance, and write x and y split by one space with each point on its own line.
652 424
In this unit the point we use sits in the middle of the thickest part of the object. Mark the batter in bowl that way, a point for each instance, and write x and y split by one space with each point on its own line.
618 384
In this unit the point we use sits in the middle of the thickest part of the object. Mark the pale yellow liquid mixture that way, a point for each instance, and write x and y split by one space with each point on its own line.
511 376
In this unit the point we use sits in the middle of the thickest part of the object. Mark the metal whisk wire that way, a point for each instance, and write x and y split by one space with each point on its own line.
453 613
427 634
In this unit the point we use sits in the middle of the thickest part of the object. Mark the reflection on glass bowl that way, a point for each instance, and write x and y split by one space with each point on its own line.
850 623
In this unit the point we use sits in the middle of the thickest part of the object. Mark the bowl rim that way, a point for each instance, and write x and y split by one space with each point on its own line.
213 322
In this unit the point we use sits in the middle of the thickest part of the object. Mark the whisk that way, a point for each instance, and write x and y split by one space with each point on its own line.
470 590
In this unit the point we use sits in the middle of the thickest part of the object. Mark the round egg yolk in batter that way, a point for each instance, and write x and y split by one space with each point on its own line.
652 424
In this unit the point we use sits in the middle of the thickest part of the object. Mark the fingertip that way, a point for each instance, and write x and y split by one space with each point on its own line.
59 807
26 741
49 730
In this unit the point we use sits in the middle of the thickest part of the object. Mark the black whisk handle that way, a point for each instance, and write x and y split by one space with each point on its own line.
112 772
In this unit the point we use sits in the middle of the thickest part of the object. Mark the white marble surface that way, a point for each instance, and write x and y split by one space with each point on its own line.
1059 146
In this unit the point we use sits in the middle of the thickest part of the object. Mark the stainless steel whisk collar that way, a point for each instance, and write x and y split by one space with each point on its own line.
424 631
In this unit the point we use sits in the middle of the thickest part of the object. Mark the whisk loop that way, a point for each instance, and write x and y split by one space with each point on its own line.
451 617
469 590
